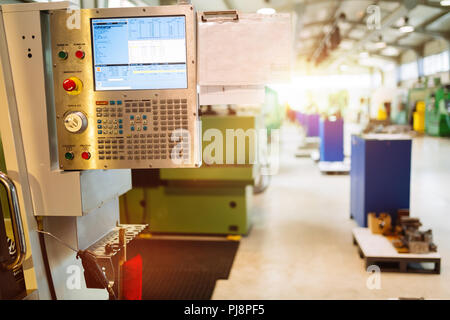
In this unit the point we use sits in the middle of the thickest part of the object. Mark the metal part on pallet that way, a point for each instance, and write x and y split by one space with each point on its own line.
412 238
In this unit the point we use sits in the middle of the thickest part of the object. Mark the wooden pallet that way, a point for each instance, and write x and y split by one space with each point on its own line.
334 167
304 153
376 250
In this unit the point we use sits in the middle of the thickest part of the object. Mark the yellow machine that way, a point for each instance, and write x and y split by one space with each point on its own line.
419 117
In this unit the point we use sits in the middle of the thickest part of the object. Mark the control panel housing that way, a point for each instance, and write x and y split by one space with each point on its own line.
153 123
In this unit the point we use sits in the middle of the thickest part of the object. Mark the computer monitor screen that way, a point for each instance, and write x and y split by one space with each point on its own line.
139 53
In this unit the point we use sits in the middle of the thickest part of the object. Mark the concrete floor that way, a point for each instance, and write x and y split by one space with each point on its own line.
301 247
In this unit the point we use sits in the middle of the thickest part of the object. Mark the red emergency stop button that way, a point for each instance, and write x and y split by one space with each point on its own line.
69 85
79 54
73 86
86 155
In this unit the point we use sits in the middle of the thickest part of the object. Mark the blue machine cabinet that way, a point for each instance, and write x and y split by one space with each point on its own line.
312 125
331 140
380 177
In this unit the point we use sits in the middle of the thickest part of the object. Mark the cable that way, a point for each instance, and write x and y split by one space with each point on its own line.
48 272
88 260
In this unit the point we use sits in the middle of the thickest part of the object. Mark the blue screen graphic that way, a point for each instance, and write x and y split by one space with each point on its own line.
139 53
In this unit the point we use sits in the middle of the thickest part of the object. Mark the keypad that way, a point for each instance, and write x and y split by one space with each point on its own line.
141 129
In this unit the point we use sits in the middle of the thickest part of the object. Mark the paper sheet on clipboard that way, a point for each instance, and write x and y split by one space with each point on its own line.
255 49
210 95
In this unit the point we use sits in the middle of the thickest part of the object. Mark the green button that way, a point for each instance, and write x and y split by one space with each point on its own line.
62 55
69 155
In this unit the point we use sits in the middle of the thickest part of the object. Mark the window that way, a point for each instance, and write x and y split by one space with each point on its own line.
409 71
436 63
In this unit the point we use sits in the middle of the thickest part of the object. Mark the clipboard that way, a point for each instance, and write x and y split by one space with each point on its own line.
244 49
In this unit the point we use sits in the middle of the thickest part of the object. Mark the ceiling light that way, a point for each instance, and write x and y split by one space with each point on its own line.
266 11
390 51
364 54
445 3
406 28
380 44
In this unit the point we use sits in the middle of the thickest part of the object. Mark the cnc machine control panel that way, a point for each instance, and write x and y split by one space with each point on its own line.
125 88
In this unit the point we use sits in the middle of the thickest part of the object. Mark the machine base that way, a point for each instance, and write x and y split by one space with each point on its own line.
190 210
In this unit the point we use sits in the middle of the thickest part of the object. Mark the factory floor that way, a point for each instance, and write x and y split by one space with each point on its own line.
300 246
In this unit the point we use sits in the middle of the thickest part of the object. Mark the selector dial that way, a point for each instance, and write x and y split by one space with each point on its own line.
75 122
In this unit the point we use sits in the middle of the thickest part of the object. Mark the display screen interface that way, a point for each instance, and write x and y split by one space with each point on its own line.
139 53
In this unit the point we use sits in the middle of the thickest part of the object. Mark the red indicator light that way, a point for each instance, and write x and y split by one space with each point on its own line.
86 155
101 103
79 54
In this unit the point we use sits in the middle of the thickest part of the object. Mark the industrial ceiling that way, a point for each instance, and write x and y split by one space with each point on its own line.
316 19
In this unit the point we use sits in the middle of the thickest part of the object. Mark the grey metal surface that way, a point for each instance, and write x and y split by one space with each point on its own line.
11 134
141 149
101 186
78 233
90 228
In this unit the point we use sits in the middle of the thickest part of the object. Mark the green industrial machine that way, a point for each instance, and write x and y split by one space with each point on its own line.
212 199
437 113
273 112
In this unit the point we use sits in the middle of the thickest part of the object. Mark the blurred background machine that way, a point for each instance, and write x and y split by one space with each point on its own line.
380 175
332 158
331 139
213 199
416 108
419 117
437 114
